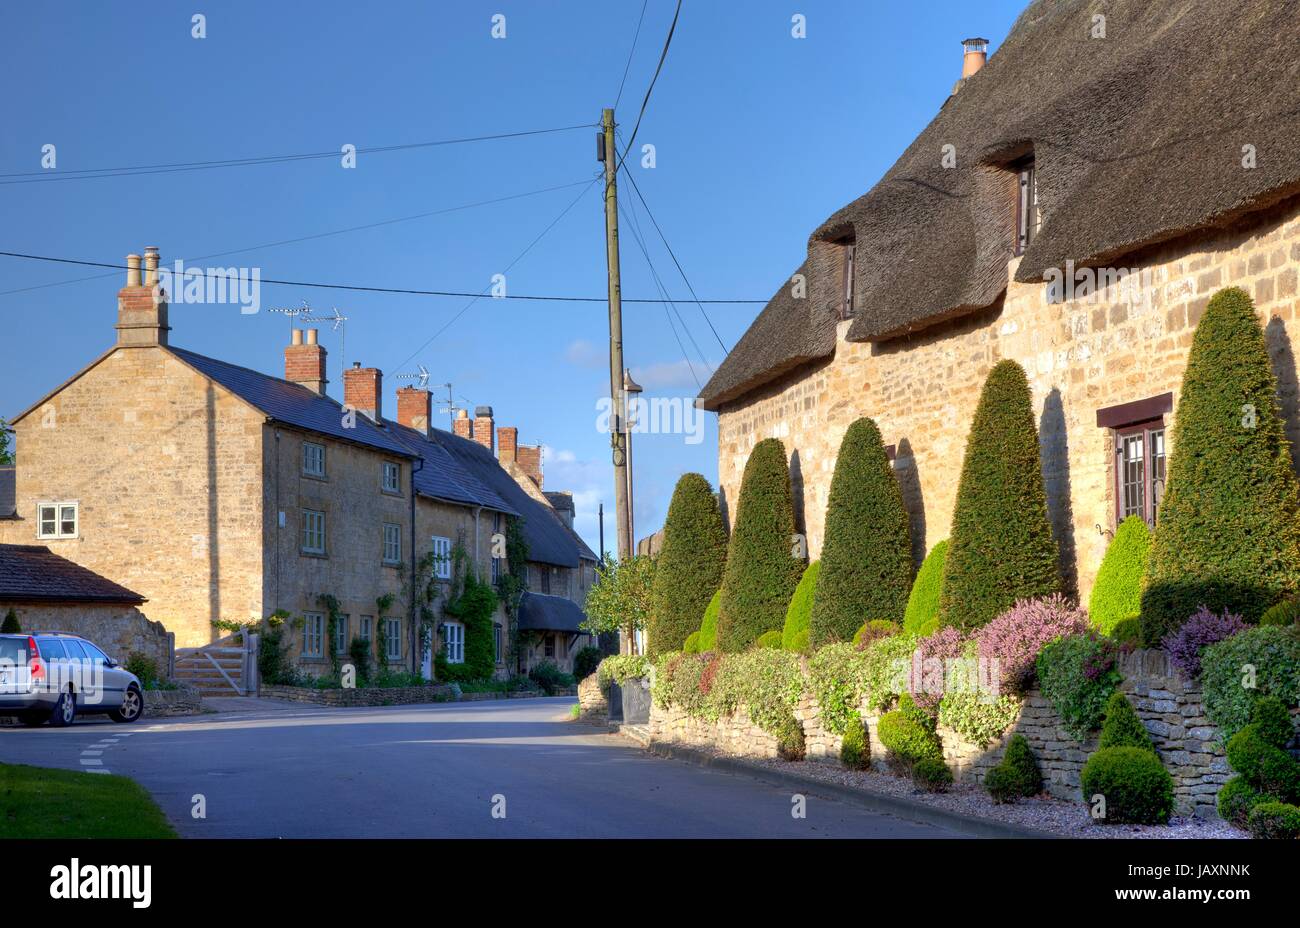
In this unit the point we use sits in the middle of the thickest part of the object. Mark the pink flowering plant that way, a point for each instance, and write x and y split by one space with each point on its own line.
927 676
1016 637
1203 629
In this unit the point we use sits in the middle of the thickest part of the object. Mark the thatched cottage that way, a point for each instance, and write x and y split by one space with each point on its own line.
1072 206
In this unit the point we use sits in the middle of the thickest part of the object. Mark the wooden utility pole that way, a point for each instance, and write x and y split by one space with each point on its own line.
617 436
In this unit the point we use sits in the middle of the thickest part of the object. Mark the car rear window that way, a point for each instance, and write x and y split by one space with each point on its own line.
52 649
13 650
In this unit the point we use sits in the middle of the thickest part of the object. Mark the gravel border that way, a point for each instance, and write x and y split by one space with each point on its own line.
1039 814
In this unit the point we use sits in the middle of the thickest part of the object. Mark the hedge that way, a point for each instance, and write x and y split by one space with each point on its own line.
1229 534
1267 657
794 634
922 614
1002 546
866 568
762 569
1117 591
689 565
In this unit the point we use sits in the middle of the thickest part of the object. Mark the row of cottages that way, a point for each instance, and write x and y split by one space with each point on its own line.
219 492
1151 146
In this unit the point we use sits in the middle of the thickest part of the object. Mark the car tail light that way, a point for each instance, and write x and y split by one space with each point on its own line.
37 668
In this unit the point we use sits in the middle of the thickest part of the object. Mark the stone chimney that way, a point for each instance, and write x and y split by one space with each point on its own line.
529 458
304 361
142 312
413 406
975 53
363 390
483 433
461 425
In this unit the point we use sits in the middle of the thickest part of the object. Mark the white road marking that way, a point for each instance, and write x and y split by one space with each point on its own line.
86 762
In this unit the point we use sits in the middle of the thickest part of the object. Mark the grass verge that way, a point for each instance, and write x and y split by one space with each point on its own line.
40 802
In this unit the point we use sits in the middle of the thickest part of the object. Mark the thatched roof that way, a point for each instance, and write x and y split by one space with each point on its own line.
1137 139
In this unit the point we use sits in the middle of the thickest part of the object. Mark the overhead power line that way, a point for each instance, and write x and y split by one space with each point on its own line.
40 177
659 67
632 51
364 289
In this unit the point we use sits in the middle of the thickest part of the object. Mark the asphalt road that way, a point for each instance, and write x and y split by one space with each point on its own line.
511 768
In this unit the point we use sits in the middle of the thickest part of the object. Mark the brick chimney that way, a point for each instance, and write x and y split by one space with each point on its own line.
529 458
461 425
483 433
507 442
363 390
413 406
142 313
304 362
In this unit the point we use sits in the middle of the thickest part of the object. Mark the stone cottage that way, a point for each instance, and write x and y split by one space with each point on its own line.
1072 206
220 492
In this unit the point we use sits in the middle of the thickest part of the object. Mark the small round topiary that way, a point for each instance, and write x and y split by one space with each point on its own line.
1122 727
1236 799
1286 612
908 735
1135 786
931 774
855 751
770 639
800 609
1017 775
1274 820
922 615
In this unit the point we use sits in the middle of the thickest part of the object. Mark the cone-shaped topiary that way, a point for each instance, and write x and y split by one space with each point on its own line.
855 750
1002 546
1117 591
762 569
708 640
689 566
794 634
1123 728
922 615
1229 523
867 555
1017 775
10 625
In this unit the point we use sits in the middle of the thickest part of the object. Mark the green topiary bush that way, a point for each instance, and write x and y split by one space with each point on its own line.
1017 775
1136 787
692 644
762 569
1286 612
908 735
922 614
1128 631
689 566
768 640
1267 658
10 625
709 624
1273 721
1117 591
799 612
1265 771
931 774
867 554
1123 728
1230 518
1002 545
1236 799
855 750
1274 820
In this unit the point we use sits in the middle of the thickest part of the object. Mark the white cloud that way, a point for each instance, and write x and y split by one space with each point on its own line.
671 375
582 353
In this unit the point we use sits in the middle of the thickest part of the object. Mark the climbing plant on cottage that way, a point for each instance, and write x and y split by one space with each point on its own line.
689 566
763 557
1001 548
866 570
1229 524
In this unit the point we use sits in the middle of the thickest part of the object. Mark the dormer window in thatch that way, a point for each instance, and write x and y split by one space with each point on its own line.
847 248
1028 216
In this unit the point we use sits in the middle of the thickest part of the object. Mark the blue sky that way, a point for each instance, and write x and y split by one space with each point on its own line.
758 137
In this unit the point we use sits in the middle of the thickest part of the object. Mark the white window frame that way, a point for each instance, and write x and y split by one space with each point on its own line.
441 557
387 468
313 634
453 642
309 456
392 543
341 640
59 506
392 637
309 534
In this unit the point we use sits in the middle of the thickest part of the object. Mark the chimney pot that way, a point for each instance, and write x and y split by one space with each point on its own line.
133 270
976 53
151 265
311 336
296 337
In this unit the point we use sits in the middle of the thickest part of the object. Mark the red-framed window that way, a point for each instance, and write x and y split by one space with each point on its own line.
1140 457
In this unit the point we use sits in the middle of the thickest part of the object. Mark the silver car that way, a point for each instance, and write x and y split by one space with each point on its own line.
51 676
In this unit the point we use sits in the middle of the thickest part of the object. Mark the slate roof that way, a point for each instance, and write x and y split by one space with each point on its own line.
291 403
442 476
32 573
549 540
1137 140
8 494
540 612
